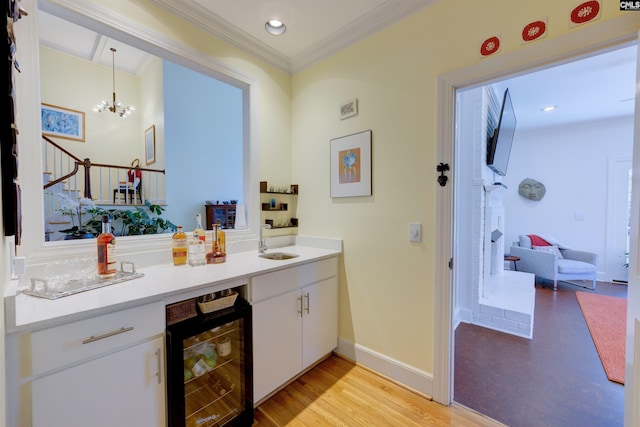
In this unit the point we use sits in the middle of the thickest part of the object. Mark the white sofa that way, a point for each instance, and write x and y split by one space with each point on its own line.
573 265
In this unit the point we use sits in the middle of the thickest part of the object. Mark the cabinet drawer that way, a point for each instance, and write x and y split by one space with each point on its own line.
72 342
278 282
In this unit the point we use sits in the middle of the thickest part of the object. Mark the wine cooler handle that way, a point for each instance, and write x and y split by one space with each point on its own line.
93 338
307 297
159 360
300 302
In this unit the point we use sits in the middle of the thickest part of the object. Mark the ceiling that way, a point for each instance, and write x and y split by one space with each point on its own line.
593 88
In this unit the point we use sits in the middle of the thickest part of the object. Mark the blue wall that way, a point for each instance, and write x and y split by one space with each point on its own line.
203 143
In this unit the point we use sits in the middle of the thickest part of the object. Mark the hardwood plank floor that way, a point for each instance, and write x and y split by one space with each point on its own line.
338 392
556 379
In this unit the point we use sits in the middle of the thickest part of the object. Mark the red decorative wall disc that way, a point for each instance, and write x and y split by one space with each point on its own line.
585 12
534 30
490 46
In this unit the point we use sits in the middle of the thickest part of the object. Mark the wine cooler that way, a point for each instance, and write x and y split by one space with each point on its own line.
209 367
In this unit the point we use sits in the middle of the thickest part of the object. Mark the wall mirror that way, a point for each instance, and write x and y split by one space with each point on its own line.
188 132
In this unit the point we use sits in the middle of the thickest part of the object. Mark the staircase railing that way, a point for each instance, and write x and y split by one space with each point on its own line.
62 166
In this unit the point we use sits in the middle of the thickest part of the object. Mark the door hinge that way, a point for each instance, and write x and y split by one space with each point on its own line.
442 179
450 263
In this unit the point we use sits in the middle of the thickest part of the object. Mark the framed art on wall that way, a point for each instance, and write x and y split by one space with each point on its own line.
150 144
351 165
62 122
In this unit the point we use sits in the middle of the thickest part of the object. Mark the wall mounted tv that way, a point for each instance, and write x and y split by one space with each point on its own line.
499 145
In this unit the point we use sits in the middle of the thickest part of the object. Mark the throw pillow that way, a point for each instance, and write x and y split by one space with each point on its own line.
553 249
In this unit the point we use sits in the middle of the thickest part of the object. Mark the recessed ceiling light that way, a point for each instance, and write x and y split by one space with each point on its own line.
275 27
548 109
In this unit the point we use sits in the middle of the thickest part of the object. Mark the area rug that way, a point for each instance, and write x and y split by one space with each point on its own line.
606 318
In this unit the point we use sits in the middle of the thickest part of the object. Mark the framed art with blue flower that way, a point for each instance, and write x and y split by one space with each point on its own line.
351 165
62 122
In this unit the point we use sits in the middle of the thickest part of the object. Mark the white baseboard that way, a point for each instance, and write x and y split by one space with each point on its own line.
404 374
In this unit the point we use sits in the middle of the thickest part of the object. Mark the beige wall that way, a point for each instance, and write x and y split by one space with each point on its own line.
387 284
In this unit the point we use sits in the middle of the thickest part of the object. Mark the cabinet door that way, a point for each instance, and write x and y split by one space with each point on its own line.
125 388
277 339
319 320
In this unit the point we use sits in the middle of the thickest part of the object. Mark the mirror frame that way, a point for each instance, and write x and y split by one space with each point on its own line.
120 28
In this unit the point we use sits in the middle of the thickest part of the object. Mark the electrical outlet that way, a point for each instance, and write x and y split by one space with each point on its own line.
415 232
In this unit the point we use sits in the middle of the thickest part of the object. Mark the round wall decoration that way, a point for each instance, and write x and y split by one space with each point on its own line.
534 31
490 46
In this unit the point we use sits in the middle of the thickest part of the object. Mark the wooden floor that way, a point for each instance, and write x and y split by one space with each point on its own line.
556 379
340 393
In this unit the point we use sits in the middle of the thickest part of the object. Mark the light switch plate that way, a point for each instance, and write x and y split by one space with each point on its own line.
415 232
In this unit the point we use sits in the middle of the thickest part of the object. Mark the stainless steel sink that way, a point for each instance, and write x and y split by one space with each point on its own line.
278 256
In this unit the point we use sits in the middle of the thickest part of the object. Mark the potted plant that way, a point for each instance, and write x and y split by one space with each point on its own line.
132 222
75 209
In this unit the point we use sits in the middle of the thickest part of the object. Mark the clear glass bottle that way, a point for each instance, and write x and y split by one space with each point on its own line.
196 252
179 247
106 250
199 231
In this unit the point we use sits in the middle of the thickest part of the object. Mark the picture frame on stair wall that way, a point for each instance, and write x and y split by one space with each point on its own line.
150 144
62 122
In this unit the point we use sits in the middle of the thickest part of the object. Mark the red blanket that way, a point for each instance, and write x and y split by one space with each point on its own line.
538 241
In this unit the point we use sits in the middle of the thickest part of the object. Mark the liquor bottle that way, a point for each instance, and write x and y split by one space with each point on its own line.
199 231
196 251
106 250
179 247
222 239
216 256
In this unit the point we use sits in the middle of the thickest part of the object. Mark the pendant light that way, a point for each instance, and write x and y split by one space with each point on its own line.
116 106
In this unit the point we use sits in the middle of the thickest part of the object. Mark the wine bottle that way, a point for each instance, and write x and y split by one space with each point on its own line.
106 250
179 247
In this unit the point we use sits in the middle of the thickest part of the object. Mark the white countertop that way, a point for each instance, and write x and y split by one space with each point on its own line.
167 283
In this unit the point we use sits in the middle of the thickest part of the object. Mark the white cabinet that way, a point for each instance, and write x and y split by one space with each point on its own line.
295 322
125 388
102 371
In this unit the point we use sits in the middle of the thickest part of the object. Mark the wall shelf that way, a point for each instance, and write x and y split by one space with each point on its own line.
278 206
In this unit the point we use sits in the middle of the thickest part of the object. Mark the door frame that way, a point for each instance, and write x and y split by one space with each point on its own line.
583 42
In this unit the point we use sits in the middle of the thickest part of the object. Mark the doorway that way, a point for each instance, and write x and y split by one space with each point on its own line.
537 56
543 152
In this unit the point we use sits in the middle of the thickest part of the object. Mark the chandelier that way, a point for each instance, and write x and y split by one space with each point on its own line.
114 106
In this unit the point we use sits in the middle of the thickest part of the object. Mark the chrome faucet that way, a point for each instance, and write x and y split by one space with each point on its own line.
262 244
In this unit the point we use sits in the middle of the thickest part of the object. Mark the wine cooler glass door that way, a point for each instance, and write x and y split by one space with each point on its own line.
210 370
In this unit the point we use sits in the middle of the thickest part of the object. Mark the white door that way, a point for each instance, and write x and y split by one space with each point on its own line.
618 206
125 388
319 320
277 342
632 365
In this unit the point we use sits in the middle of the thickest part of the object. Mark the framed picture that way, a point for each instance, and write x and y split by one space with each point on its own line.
351 165
62 122
150 144
349 108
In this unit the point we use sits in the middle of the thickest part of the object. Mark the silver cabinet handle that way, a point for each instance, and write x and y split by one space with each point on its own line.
93 338
159 360
300 301
307 297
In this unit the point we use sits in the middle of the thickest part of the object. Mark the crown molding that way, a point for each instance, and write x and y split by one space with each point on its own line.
377 19
118 27
222 29
372 22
